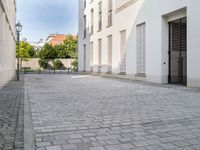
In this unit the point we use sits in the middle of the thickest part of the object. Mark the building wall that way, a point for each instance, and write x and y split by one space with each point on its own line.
7 40
127 14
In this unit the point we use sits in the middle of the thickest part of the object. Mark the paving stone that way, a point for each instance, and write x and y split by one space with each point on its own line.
181 143
43 144
140 143
12 115
75 136
94 112
53 148
113 147
96 148
69 147
75 141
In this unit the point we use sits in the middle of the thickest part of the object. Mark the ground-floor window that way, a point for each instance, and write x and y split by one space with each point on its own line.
109 53
141 49
99 51
91 54
123 51
84 57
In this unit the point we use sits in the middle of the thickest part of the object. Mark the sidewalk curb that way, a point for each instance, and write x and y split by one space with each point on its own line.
29 143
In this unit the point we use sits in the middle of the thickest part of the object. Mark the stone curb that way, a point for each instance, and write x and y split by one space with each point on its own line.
29 143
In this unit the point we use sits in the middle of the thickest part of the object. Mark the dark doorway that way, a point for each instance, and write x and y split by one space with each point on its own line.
178 51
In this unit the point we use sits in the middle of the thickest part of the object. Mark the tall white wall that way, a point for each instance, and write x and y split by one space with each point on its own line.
80 36
193 54
156 14
7 41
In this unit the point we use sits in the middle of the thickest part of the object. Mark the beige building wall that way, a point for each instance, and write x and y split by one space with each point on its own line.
7 40
33 63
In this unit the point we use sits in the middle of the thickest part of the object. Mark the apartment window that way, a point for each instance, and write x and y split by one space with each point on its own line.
85 29
84 57
91 54
110 53
99 51
92 21
123 52
100 17
84 4
110 6
141 49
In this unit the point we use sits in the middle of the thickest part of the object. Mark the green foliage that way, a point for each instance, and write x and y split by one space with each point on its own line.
60 51
66 50
47 52
57 64
71 45
43 63
26 51
75 65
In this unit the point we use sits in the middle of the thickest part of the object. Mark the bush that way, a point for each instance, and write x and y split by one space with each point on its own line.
58 65
43 63
47 52
75 65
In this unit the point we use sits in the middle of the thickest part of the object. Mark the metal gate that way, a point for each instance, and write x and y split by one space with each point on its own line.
178 51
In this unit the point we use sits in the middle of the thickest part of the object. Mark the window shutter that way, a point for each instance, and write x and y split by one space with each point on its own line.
99 52
141 49
84 61
123 52
110 53
91 54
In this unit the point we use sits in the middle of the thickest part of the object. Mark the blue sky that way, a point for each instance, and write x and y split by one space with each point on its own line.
43 17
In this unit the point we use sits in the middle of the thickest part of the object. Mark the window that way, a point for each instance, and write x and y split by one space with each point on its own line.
110 6
91 54
92 21
110 53
141 49
85 30
84 57
99 51
123 52
84 4
100 17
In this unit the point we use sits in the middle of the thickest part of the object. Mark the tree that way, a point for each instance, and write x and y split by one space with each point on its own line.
26 51
60 51
47 52
71 45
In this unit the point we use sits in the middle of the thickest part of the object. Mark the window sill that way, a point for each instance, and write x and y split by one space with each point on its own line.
122 73
109 72
99 30
140 75
108 26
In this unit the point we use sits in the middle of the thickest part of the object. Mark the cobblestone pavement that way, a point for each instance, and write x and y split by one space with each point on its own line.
95 113
11 116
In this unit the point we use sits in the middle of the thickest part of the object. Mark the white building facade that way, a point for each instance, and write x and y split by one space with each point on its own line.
7 40
38 45
149 40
